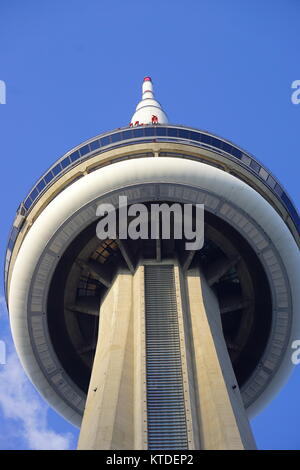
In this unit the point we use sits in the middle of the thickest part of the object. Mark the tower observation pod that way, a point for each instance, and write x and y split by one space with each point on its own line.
145 340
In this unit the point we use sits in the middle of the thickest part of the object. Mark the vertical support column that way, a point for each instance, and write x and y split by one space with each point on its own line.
115 413
161 367
140 393
222 418
108 415
187 391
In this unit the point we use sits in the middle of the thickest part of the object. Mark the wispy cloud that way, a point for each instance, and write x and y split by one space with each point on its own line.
20 403
24 412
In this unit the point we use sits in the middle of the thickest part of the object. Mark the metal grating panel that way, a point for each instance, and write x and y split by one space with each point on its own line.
165 398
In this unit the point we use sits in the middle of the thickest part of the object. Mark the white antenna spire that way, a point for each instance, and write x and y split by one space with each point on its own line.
148 111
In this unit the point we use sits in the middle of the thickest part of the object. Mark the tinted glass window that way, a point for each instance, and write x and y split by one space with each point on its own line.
65 162
287 202
150 131
226 147
74 156
33 194
195 136
56 170
291 210
255 166
116 137
14 234
215 142
246 159
10 245
27 203
171 132
271 181
278 189
104 141
263 173
48 177
138 132
183 134
41 185
94 145
127 134
236 152
206 139
84 150
161 131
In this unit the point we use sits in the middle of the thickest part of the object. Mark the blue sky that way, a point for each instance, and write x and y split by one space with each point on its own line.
73 69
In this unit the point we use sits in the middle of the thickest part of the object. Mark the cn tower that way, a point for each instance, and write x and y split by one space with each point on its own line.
143 343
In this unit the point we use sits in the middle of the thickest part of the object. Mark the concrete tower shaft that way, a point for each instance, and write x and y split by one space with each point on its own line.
64 286
162 377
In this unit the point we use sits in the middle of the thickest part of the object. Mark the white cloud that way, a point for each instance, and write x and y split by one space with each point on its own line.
25 413
20 403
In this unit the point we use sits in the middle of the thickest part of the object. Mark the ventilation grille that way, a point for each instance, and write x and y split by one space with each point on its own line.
165 397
